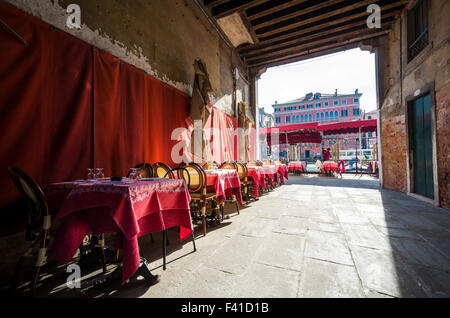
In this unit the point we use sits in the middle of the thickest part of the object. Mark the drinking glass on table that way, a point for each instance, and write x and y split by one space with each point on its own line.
134 174
99 174
91 174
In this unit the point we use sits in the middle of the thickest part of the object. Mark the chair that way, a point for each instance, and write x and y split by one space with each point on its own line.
210 165
198 189
144 169
242 172
268 162
38 225
160 170
230 165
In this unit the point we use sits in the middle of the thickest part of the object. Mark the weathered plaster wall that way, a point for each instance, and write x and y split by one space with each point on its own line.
398 79
162 37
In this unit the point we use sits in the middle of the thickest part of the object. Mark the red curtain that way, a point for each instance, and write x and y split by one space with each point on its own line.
65 107
45 106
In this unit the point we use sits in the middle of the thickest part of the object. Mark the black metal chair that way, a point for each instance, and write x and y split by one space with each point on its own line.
38 225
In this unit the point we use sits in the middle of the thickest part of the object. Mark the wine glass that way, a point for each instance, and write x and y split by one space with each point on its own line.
91 174
133 174
99 174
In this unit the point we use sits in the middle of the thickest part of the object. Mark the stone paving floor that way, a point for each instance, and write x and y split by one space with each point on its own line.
312 237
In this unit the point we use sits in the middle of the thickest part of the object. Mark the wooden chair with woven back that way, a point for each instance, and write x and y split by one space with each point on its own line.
211 165
230 165
242 172
200 197
38 225
160 170
144 169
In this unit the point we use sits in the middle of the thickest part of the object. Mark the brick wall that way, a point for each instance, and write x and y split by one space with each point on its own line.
443 143
393 141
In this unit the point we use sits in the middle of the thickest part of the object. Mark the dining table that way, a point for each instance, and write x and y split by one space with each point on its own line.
129 208
256 174
295 166
283 172
271 173
225 183
328 166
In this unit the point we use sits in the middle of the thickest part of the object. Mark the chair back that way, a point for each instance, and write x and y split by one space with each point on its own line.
182 173
35 198
230 165
268 162
161 170
210 165
242 170
144 169
197 175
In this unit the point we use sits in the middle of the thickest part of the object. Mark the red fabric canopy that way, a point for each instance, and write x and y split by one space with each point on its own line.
287 128
349 127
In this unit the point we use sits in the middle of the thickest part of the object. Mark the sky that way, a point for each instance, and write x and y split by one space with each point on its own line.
344 71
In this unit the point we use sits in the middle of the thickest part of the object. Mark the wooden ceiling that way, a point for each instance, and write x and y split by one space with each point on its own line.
286 31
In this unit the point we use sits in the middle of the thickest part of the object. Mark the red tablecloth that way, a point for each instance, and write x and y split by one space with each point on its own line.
271 173
295 166
225 182
128 209
330 166
283 171
256 174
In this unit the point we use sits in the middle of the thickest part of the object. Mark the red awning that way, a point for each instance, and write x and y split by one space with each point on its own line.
349 127
288 128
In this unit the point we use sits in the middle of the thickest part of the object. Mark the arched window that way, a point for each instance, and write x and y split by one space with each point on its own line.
298 118
310 117
321 117
331 115
288 119
317 116
326 116
336 115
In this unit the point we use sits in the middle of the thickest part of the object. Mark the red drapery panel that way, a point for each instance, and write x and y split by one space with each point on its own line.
45 104
223 138
132 88
165 109
107 113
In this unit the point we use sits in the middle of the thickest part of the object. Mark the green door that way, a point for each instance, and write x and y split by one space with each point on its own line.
422 147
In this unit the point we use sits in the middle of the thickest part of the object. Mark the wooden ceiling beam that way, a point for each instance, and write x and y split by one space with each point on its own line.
307 52
298 13
306 30
267 48
216 3
320 17
274 9
234 9
298 58
339 37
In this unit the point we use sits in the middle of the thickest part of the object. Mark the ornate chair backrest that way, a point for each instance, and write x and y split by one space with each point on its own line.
260 163
161 170
242 170
279 162
182 173
230 165
210 165
252 164
37 204
268 162
144 169
197 175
